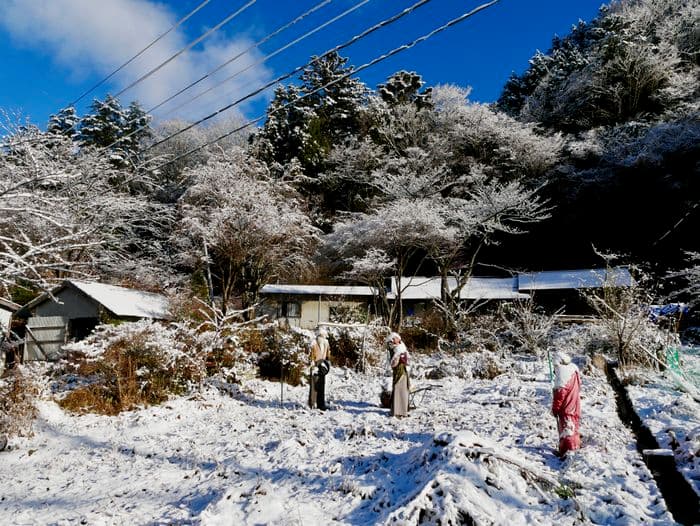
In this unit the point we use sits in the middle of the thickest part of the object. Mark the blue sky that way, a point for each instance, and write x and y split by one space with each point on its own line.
54 50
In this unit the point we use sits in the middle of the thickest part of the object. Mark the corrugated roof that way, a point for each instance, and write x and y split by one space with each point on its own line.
324 290
120 301
125 302
575 279
428 288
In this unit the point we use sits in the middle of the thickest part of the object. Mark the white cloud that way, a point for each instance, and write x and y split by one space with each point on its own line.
90 38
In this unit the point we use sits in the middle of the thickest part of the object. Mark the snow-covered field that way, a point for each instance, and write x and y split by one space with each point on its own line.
472 449
671 414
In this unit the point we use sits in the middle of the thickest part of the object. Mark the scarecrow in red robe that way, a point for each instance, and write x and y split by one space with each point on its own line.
566 402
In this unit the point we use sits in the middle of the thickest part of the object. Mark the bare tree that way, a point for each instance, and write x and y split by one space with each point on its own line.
255 230
65 211
690 276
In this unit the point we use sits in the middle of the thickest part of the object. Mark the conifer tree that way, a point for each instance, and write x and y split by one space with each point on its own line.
404 87
65 122
111 125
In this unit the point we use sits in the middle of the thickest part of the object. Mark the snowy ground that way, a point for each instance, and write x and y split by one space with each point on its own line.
479 449
670 413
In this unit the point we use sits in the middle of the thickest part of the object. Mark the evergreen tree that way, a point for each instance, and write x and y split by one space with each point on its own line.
105 124
286 128
337 106
111 125
65 122
305 122
403 87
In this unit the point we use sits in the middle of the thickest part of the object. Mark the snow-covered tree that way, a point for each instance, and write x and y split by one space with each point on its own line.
65 122
401 231
636 60
285 132
304 122
689 288
62 212
337 107
252 229
120 129
404 87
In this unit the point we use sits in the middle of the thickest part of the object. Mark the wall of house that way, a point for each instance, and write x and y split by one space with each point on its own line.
310 312
73 305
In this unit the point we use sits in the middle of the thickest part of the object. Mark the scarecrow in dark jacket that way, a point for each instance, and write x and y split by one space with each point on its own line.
320 352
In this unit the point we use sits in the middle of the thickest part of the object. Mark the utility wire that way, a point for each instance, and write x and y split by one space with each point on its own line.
154 42
177 24
189 46
271 55
279 50
259 90
676 225
256 45
386 55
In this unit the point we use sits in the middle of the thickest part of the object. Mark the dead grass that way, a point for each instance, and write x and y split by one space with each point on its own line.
131 372
18 392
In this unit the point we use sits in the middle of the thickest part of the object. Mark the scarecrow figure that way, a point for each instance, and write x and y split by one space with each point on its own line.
566 402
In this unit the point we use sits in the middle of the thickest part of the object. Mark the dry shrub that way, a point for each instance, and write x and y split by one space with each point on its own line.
253 341
134 367
285 355
487 367
18 392
419 340
433 321
345 350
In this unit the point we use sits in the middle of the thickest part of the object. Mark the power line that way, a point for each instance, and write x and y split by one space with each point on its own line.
259 90
271 55
137 55
175 26
295 41
188 46
239 55
386 55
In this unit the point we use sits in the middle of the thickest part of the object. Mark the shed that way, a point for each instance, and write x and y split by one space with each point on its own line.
562 288
7 309
575 279
306 306
419 291
74 308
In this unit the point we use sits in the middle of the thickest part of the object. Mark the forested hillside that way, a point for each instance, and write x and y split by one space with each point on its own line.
593 148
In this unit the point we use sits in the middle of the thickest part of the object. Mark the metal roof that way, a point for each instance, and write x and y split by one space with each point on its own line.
425 288
316 290
120 301
575 279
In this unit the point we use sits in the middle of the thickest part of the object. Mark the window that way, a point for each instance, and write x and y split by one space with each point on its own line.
291 309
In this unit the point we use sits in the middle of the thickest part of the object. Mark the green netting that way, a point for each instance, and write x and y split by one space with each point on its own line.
673 359
685 362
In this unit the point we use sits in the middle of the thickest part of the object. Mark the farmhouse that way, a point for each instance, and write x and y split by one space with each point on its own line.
74 308
306 306
561 289
419 293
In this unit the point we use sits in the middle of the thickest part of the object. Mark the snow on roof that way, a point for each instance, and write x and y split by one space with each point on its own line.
125 302
8 305
575 279
424 288
316 290
492 288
